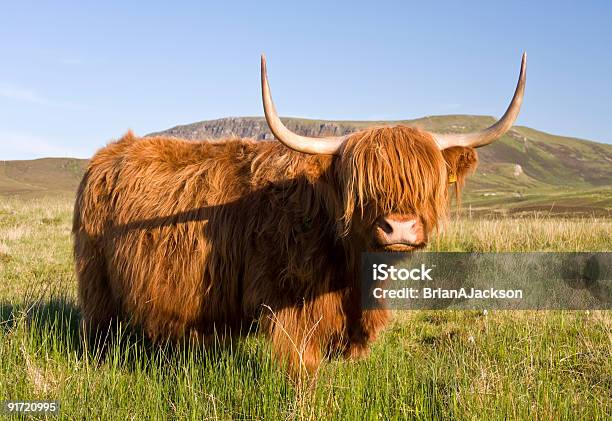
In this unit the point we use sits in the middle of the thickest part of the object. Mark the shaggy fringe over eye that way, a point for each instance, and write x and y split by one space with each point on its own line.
393 170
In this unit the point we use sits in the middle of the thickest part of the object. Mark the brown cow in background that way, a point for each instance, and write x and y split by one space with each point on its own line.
186 239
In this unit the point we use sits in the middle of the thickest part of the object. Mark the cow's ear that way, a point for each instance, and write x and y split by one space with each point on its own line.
461 162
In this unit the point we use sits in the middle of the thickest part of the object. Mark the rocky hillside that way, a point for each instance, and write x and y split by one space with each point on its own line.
256 127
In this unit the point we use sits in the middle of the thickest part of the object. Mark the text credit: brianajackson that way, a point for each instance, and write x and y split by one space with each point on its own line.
440 293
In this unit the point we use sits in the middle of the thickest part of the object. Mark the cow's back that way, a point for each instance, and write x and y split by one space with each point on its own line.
149 223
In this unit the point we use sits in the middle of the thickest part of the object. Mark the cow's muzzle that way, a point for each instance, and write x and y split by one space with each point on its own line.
397 232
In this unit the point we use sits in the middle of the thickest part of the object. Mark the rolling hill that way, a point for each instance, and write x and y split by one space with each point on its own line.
46 176
525 170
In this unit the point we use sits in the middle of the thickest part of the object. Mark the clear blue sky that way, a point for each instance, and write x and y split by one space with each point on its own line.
75 75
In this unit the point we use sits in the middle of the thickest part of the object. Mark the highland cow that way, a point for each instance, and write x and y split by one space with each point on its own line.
186 239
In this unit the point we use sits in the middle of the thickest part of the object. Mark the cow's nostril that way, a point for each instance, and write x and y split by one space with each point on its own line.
384 225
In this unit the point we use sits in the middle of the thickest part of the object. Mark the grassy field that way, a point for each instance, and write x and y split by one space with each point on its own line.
430 364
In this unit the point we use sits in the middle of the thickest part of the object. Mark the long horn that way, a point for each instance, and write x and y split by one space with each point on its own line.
311 145
486 136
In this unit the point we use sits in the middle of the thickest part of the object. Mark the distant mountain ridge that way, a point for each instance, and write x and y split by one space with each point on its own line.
257 128
525 169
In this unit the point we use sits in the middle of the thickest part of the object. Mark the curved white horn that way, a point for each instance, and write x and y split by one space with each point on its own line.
312 145
486 136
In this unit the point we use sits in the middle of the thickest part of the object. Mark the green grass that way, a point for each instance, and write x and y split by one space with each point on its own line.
428 364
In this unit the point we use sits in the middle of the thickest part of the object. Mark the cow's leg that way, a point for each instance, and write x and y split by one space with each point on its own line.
98 307
365 331
295 339
303 335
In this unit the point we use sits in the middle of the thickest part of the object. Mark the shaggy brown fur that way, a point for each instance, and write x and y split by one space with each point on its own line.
461 162
186 239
